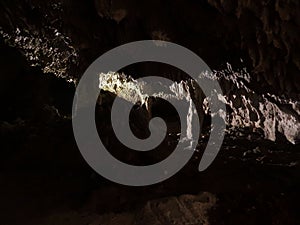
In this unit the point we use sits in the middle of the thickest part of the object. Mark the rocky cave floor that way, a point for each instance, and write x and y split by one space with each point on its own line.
44 180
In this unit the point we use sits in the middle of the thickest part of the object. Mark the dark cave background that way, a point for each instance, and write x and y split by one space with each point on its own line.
43 177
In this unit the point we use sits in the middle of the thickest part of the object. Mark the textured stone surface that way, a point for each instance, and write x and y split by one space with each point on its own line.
43 177
186 209
63 37
182 210
269 31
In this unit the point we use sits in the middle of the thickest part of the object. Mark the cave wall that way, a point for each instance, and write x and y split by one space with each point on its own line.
65 36
42 171
269 31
